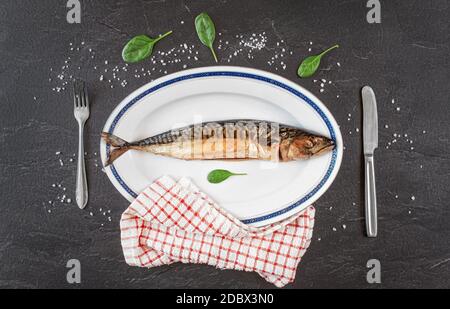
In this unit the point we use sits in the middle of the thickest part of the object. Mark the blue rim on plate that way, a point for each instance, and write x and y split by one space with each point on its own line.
242 75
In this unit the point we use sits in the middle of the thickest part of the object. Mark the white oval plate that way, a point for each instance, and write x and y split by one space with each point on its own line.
271 191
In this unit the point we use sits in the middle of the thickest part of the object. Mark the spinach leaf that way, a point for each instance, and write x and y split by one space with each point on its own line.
206 31
218 176
140 47
310 65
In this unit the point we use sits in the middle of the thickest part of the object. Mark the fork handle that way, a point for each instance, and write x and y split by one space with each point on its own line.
81 193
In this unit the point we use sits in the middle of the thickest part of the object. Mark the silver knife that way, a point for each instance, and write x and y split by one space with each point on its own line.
370 139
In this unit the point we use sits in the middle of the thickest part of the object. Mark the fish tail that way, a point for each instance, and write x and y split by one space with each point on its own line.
121 145
115 154
113 140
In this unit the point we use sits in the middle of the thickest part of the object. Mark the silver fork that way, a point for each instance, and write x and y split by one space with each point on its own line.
81 112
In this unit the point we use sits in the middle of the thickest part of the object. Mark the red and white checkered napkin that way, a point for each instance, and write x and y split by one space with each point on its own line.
174 222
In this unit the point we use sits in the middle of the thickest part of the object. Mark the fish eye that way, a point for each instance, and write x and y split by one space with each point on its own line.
309 144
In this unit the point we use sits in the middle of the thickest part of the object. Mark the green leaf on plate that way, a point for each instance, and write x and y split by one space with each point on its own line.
218 176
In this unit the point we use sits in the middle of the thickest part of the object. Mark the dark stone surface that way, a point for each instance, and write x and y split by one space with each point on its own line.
406 57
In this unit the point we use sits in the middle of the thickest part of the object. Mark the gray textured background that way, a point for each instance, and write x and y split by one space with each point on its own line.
406 57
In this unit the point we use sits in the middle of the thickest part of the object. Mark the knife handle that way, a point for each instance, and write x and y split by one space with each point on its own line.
371 198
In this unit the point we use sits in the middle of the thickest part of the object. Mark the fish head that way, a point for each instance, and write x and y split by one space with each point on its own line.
308 145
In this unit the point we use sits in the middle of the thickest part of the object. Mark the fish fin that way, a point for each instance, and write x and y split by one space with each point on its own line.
115 154
113 140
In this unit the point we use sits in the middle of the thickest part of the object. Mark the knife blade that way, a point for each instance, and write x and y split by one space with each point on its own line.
370 141
370 120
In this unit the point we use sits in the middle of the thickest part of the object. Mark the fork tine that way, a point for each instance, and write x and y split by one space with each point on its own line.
86 96
81 94
75 101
